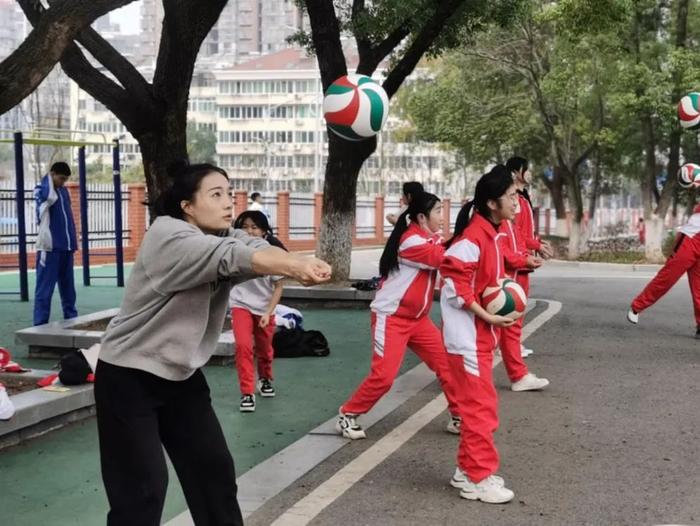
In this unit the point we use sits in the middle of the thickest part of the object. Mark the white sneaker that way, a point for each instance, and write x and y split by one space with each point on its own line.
454 424
525 352
347 426
460 480
7 408
632 317
529 382
488 490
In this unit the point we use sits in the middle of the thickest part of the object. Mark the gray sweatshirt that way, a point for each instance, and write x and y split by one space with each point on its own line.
176 298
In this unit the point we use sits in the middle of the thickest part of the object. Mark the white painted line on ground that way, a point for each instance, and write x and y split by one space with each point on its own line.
309 507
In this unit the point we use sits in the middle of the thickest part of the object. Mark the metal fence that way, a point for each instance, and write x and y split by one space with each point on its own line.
364 217
301 216
100 217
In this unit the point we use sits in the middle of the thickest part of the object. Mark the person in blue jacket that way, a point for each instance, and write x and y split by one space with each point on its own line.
55 245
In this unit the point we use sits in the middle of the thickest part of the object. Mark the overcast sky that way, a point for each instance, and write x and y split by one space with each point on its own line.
128 17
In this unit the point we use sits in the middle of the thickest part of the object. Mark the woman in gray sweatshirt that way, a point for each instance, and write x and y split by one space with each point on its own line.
150 392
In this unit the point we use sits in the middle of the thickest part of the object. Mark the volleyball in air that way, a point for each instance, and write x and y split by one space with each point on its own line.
689 111
689 175
355 107
507 299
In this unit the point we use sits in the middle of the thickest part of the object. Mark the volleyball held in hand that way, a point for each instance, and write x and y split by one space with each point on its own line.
689 175
355 107
506 299
689 111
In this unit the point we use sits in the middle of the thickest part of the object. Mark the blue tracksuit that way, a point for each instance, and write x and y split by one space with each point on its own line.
56 243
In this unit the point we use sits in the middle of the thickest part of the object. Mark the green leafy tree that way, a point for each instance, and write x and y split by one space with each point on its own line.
201 144
539 87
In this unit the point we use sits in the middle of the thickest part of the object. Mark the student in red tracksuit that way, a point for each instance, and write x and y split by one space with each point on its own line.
473 262
400 313
517 262
526 238
685 258
253 305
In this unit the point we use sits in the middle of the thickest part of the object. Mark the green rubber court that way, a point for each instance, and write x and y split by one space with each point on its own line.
56 478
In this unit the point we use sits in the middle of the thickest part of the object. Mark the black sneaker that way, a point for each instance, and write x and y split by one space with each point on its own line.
697 333
265 388
247 403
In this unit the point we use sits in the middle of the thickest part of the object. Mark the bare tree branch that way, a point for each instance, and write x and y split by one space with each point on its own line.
325 33
372 58
28 65
364 46
422 42
123 70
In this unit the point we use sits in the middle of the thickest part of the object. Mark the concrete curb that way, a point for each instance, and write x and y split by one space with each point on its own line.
39 411
590 265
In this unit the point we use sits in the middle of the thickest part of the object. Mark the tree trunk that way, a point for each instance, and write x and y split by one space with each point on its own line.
595 190
578 235
556 191
28 65
345 159
578 239
158 151
655 233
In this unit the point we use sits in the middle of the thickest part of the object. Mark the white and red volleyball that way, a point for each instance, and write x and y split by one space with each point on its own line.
689 111
355 107
507 299
689 175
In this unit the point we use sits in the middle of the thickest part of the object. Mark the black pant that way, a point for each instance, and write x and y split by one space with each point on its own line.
137 415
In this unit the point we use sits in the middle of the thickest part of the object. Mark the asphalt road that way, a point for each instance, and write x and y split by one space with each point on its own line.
613 441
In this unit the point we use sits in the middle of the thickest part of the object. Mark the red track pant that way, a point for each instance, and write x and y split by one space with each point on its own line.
391 335
685 258
478 401
245 328
510 343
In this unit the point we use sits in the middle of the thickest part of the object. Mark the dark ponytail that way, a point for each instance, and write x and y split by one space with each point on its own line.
516 164
489 187
462 221
184 181
421 203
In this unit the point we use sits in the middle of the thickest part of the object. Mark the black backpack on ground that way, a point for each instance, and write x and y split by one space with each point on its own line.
293 343
74 368
367 284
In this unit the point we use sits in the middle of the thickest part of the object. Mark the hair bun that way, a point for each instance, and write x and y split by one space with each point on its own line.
175 168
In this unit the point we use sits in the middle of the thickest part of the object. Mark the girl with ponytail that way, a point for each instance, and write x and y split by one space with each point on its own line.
474 261
399 318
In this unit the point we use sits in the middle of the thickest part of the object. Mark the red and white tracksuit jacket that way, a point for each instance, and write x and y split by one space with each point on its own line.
400 319
515 256
472 263
685 258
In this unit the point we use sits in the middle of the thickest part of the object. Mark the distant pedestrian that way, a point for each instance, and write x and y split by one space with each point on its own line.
410 190
256 203
642 231
55 244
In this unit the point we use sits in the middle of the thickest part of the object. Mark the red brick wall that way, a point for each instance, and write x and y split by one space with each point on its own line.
283 217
